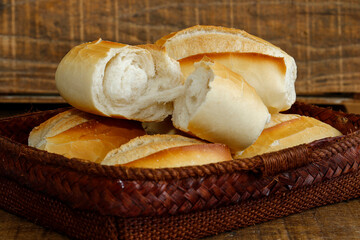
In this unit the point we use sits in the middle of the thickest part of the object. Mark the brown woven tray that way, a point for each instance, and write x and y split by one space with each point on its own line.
90 201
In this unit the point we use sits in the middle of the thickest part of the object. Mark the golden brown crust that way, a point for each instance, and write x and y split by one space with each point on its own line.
230 112
55 125
208 28
151 47
190 155
275 71
80 65
187 64
89 138
205 39
143 146
121 81
292 131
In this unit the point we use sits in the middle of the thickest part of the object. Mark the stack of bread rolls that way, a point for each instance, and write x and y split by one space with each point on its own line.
202 95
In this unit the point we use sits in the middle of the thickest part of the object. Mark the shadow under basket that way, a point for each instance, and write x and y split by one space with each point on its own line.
89 201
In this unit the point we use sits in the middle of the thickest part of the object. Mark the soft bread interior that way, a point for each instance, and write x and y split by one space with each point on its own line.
219 106
117 80
197 86
141 83
127 73
145 145
265 73
288 130
244 54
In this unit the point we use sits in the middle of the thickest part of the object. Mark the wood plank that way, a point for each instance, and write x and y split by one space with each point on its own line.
323 36
337 221
350 104
353 106
16 228
31 99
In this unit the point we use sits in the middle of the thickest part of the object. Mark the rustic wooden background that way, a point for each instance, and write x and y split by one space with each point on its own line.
323 36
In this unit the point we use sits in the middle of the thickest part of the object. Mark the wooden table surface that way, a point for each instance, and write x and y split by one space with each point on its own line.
337 221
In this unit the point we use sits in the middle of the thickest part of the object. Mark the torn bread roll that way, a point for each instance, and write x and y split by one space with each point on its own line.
288 130
270 70
219 106
166 151
76 134
118 80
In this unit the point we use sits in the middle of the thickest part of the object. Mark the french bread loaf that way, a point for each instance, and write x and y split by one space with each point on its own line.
76 134
220 107
288 130
270 70
165 151
120 81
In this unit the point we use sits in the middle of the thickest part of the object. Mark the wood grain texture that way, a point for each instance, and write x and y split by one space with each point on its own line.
339 221
323 36
349 104
31 99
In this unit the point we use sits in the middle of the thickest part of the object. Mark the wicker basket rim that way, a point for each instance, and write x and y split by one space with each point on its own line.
267 164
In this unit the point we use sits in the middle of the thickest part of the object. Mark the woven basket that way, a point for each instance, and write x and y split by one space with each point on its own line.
90 201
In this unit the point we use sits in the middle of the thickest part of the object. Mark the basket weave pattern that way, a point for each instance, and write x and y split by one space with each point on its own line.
186 202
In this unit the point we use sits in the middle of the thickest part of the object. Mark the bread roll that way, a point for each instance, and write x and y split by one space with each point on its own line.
288 130
76 134
219 106
118 80
267 68
165 151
